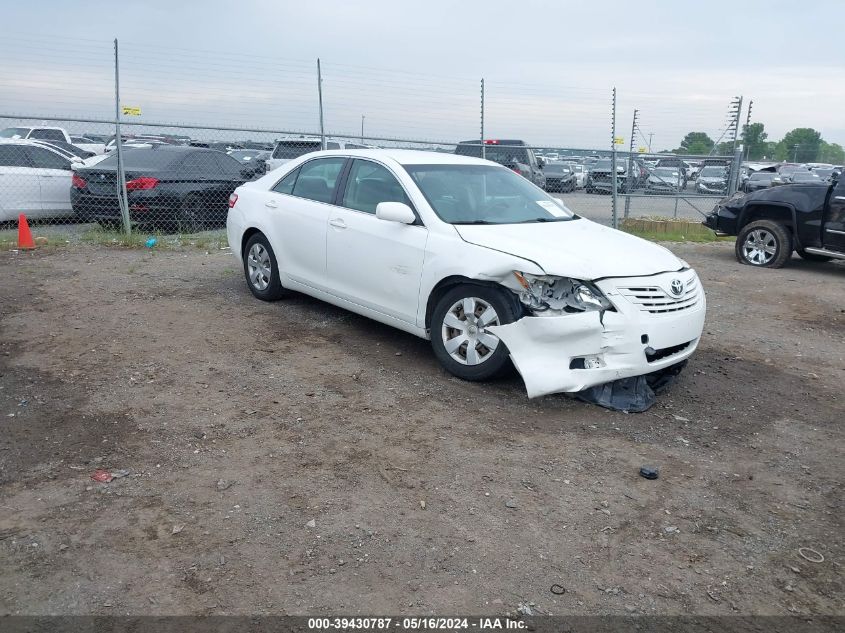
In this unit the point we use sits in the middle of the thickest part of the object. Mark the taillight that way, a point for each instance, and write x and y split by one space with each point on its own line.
233 200
141 183
78 182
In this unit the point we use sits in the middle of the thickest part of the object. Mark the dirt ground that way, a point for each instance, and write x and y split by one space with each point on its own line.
292 458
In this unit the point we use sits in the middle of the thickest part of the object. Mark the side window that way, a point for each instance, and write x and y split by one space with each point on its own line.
45 159
200 163
332 145
368 184
13 156
317 179
285 185
47 135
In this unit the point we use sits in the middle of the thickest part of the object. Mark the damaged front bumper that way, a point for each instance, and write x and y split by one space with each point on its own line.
652 327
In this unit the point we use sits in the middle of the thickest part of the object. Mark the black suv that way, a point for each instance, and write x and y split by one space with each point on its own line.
513 154
806 217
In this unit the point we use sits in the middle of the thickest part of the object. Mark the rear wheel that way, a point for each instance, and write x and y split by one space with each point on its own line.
190 214
261 270
460 336
765 244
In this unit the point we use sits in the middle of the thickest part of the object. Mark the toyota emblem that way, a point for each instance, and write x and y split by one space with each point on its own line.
676 287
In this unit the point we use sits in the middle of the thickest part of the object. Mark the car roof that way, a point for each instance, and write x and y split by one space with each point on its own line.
406 156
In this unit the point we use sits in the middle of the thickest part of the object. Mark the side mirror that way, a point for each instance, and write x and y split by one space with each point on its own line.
395 212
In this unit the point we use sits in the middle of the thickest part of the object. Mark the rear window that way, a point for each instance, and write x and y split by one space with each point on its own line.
295 149
47 134
141 159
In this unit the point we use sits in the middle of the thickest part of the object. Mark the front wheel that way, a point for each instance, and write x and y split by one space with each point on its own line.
765 244
190 214
460 336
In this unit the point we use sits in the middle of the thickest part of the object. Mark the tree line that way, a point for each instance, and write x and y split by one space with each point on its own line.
801 145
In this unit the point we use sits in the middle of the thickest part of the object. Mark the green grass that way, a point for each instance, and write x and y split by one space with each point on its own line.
670 230
57 237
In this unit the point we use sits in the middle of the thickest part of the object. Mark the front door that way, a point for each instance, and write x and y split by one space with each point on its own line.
20 190
833 236
371 262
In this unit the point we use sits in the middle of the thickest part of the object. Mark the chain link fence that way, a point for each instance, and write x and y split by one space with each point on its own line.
121 162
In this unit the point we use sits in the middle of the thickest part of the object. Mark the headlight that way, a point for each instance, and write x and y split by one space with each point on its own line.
561 294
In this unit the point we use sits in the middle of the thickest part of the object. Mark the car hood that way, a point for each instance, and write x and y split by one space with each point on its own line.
577 248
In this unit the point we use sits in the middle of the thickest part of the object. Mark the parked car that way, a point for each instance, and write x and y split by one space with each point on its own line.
168 186
473 257
88 144
514 154
805 217
825 173
37 133
712 179
559 177
34 179
287 149
580 172
758 180
665 180
256 158
599 177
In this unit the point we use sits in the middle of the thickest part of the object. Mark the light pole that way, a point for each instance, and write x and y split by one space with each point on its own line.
650 134
362 129
795 153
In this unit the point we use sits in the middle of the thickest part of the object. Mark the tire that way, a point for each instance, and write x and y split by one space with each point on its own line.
189 215
259 259
764 244
479 362
812 257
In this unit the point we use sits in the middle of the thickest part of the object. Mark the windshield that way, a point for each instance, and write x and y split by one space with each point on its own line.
713 172
804 177
502 154
295 149
762 175
14 132
665 172
481 194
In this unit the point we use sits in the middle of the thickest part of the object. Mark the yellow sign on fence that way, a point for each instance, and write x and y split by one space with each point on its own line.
619 140
131 111
641 150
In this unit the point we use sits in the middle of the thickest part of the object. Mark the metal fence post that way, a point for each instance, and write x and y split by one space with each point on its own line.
631 163
733 183
483 148
122 197
320 100
614 219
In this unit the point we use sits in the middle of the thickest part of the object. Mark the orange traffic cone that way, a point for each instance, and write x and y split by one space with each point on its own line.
25 240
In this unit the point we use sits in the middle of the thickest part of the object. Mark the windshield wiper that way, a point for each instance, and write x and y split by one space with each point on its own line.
542 220
476 222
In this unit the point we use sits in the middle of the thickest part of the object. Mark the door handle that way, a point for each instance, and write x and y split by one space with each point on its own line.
338 223
272 204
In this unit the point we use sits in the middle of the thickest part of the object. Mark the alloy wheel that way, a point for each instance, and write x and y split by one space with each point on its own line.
259 267
760 247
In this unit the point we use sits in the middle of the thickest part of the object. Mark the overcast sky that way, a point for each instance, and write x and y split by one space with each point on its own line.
412 69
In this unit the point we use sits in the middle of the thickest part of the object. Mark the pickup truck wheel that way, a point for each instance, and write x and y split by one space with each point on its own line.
764 244
812 257
459 334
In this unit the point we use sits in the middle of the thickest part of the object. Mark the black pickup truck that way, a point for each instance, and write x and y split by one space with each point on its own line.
769 224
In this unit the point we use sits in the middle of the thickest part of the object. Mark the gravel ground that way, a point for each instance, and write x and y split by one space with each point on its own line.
293 458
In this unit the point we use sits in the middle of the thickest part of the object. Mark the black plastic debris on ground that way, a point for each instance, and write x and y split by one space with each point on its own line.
635 394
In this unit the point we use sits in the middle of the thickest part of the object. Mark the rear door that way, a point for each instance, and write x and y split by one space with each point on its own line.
20 189
834 222
54 176
371 262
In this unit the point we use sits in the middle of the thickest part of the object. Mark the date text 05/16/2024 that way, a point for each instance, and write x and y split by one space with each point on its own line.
414 624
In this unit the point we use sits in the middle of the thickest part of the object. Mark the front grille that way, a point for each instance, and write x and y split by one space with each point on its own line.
655 300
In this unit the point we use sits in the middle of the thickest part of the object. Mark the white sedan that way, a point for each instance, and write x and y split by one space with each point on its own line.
475 258
35 179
